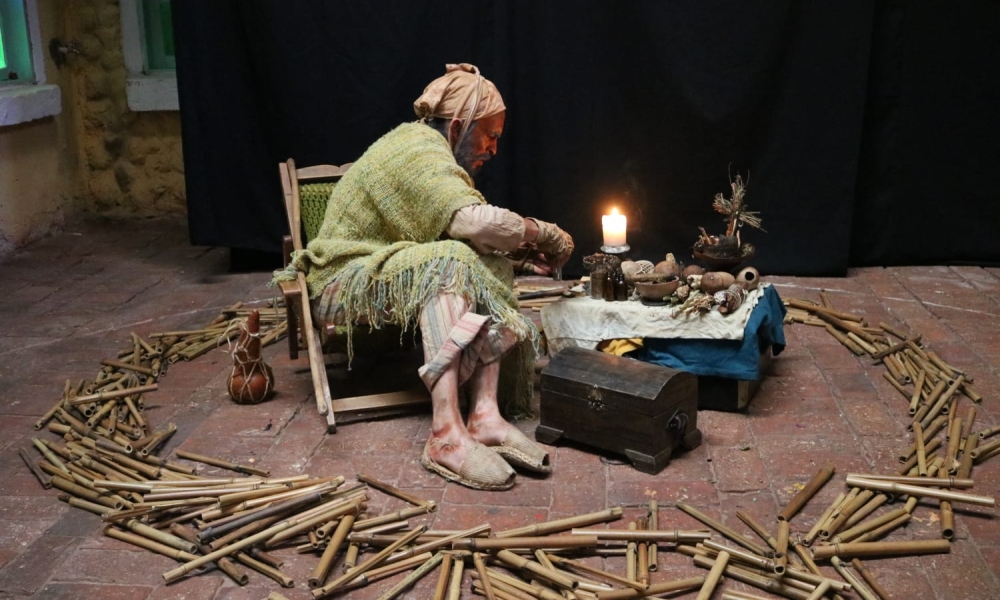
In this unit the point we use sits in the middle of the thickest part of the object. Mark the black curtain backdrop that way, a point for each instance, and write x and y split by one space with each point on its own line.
868 129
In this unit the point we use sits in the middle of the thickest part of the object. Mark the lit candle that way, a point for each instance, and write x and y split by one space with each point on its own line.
614 228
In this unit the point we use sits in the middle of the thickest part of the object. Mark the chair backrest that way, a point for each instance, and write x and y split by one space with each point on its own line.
306 193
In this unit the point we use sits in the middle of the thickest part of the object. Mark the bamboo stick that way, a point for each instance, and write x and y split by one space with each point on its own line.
749 578
655 589
413 577
558 541
811 535
153 546
396 492
484 578
455 585
881 549
368 565
559 525
781 551
951 482
861 528
870 580
758 529
442 582
915 490
723 529
847 575
33 467
223 464
555 577
578 566
805 494
265 569
714 575
869 507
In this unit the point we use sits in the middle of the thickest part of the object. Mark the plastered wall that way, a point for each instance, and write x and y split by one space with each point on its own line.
96 157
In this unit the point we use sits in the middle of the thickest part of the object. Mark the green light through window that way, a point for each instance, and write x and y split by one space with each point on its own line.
3 58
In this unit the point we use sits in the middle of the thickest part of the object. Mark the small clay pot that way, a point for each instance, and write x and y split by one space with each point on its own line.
692 270
657 291
748 278
668 266
716 281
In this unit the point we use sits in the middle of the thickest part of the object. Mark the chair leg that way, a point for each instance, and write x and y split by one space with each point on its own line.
317 366
294 331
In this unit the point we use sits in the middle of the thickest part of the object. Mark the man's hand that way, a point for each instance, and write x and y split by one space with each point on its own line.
554 244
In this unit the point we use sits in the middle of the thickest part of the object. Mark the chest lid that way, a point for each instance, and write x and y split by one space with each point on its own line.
616 382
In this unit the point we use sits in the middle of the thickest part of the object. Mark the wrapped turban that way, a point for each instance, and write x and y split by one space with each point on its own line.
461 93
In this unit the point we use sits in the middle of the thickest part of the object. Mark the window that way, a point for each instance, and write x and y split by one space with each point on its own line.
23 94
158 27
15 49
148 45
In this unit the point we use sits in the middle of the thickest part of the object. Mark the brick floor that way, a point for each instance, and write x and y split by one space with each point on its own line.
72 299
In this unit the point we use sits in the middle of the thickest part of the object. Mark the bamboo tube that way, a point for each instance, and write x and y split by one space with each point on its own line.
632 557
142 542
105 396
881 549
351 557
559 525
558 541
862 528
770 585
442 582
727 595
870 580
502 590
867 346
304 523
577 566
400 515
805 494
931 400
980 451
278 508
396 492
652 523
222 464
869 507
724 530
641 558
951 482
758 529
965 465
225 564
643 535
890 363
947 520
82 492
43 447
890 329
918 388
559 579
911 462
415 576
86 505
386 571
918 442
967 421
929 431
477 560
915 490
655 589
535 590
713 576
843 339
898 347
226 551
265 569
117 364
455 584
276 596
849 500
162 537
816 309
368 565
33 467
766 564
820 591
899 387
850 578
781 552
441 542
811 535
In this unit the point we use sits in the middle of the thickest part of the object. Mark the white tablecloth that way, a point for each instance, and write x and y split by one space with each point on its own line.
584 322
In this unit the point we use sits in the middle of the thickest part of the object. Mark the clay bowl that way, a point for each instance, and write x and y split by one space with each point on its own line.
718 263
657 291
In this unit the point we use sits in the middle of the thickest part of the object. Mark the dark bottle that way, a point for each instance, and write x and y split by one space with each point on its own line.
620 285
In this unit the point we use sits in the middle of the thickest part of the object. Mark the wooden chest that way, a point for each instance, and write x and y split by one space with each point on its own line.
638 409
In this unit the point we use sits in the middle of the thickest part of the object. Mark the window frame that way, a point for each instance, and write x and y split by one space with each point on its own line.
145 90
33 99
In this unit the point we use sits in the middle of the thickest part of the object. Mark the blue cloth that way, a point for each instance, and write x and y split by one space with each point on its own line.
735 359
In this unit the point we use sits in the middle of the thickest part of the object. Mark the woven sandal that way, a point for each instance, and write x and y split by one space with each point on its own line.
519 451
482 470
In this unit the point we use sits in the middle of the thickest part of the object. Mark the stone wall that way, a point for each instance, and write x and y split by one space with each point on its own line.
130 163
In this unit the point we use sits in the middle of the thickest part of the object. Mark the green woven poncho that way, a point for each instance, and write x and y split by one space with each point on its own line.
381 238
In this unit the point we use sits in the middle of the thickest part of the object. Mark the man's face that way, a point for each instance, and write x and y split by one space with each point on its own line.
480 143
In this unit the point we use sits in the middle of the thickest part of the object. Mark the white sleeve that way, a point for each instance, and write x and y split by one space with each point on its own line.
488 228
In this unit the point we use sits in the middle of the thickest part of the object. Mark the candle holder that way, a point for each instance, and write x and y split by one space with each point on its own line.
617 251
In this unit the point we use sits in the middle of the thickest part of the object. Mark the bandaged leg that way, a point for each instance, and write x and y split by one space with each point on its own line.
453 338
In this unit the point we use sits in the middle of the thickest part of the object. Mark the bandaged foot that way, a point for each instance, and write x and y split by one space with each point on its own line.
467 462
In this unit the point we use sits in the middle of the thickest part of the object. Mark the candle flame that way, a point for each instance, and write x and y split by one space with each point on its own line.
614 210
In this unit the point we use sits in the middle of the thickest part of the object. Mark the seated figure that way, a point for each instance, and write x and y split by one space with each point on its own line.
408 240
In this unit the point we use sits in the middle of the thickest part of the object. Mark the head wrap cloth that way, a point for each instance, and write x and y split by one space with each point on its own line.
461 93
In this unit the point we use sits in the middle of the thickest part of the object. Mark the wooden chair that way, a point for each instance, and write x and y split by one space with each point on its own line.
306 192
